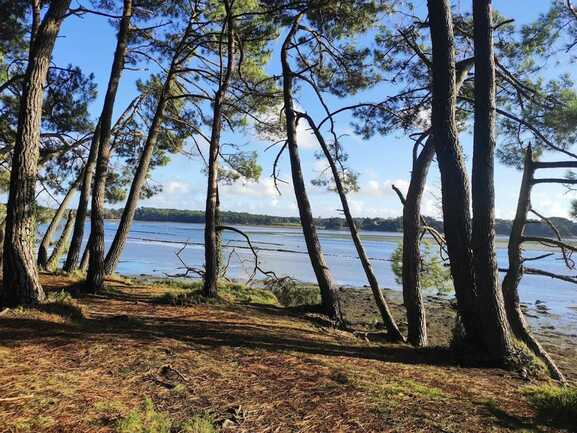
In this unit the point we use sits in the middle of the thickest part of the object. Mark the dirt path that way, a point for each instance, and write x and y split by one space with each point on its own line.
253 368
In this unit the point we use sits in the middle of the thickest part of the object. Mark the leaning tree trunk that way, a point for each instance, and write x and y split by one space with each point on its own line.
380 300
515 315
96 270
454 180
82 208
412 297
20 283
127 217
42 259
327 285
494 326
211 236
60 246
84 260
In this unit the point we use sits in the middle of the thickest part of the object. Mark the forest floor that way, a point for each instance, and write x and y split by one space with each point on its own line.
239 367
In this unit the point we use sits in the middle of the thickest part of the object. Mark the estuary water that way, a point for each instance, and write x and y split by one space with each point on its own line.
152 249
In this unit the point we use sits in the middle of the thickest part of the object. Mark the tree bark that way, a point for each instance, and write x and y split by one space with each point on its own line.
412 220
82 208
96 270
493 321
211 240
454 180
327 285
515 315
42 259
412 297
20 283
380 299
83 266
131 204
60 246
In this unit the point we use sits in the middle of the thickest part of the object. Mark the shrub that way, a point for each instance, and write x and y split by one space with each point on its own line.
554 403
434 274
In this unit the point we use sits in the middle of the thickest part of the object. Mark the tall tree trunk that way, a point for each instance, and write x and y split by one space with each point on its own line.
96 270
42 258
20 282
454 181
211 237
412 297
380 299
493 321
515 315
82 208
327 285
131 204
60 246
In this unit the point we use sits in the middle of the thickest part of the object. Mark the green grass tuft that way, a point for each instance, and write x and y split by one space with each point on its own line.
292 295
144 420
554 403
191 294
62 304
199 424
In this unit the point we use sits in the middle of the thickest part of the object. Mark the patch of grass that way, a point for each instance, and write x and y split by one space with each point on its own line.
181 298
386 392
63 304
199 424
181 295
554 403
180 284
144 420
239 293
293 295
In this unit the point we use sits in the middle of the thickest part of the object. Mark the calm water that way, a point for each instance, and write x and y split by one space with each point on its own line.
152 248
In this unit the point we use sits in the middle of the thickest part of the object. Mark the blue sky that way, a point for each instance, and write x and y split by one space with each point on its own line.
381 161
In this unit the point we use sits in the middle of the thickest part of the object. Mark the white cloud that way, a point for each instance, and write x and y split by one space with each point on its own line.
376 188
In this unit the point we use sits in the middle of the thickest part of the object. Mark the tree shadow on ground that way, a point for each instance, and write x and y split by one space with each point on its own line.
220 329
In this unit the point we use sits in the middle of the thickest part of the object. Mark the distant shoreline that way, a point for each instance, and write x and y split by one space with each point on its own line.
567 228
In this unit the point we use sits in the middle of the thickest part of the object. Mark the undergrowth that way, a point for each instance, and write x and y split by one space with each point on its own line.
183 293
147 419
291 294
554 403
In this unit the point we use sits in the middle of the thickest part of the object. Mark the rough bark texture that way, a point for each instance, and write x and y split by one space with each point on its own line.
380 300
327 285
82 208
20 282
493 321
412 297
515 315
211 237
454 181
60 246
42 259
96 270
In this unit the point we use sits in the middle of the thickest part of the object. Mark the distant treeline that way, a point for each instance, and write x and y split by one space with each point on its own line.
503 227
